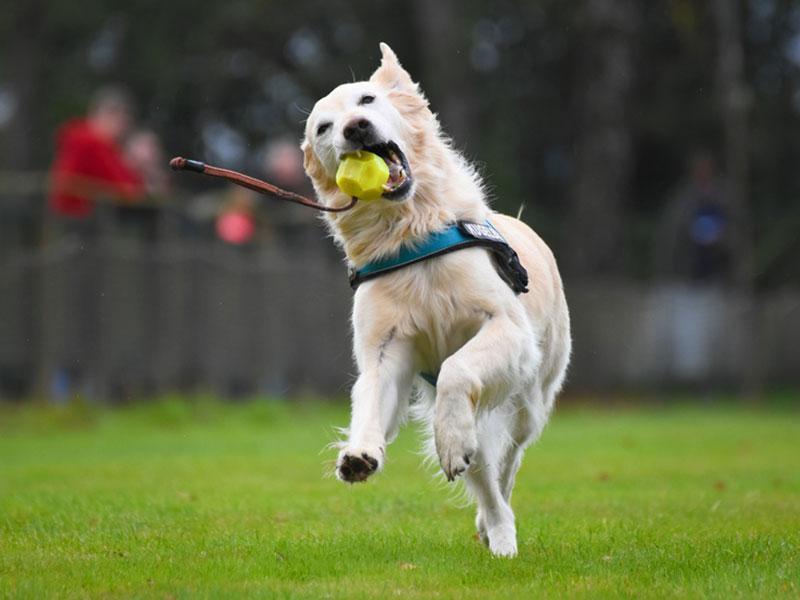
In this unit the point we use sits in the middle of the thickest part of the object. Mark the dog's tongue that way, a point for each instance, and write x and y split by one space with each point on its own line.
395 170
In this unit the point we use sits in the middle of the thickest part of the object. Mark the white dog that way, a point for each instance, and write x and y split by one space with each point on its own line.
498 356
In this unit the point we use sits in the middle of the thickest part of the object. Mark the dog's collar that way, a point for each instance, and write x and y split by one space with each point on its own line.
463 234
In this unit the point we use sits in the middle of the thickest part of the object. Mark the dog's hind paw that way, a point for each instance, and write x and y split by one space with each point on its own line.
503 541
480 527
355 467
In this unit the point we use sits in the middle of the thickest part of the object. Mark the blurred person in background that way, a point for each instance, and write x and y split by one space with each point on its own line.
236 221
283 165
695 233
298 232
696 255
138 221
89 166
246 217
90 163
144 152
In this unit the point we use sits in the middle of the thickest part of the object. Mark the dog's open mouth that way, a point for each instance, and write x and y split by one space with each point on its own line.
400 179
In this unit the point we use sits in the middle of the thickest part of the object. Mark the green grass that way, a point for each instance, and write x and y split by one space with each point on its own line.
204 500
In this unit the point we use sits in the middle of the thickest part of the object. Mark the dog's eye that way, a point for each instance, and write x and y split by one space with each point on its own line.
323 128
367 99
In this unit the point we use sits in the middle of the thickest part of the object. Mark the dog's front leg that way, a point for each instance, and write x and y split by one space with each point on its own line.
379 401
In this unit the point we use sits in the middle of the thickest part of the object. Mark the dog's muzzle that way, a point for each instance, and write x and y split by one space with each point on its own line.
361 135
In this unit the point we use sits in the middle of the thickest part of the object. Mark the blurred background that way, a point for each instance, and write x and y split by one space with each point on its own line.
655 146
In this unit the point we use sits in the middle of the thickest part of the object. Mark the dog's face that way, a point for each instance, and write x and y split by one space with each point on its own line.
385 115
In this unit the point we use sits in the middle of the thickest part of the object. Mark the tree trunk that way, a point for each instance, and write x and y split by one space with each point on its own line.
25 61
603 145
446 60
735 100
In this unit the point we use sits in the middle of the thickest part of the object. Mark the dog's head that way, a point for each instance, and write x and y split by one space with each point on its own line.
386 115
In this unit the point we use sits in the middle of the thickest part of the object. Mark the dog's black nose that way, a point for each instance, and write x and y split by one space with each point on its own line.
357 130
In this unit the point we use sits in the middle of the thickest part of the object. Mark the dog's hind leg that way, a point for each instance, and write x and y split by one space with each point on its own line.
524 428
532 414
495 520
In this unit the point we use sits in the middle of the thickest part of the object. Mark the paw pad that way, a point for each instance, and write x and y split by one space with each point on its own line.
354 469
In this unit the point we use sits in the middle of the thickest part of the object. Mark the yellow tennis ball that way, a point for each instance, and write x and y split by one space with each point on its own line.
363 175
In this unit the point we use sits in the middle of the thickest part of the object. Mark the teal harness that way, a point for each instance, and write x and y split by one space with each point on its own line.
463 234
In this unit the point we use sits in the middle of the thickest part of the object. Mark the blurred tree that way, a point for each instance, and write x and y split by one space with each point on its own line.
602 102
585 112
735 101
444 65
24 66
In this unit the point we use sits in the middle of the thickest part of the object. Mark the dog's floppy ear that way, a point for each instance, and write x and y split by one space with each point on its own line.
314 169
391 74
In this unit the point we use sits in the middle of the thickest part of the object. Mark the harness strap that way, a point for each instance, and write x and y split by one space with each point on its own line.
463 234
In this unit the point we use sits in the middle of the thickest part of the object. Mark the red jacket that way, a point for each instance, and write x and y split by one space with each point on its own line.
94 165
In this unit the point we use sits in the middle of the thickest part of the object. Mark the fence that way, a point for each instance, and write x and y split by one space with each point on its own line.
633 336
160 305
134 314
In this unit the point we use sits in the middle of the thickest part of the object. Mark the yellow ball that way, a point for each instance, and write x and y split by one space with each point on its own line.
363 175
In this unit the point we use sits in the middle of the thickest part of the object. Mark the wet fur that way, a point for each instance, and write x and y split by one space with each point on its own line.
501 357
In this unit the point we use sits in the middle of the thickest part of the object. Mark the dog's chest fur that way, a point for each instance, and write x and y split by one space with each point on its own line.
439 304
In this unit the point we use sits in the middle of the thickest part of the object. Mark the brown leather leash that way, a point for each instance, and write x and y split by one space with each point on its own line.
257 185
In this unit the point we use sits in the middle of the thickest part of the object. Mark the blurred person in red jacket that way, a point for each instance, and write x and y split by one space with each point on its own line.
90 163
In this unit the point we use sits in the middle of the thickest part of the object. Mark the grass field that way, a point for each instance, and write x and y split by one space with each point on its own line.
199 499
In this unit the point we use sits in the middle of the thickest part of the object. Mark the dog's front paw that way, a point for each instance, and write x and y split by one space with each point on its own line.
357 465
456 444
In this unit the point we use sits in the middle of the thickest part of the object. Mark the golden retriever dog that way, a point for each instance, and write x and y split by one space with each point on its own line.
500 356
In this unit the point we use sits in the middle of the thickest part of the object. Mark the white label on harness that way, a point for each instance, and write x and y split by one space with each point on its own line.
483 232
